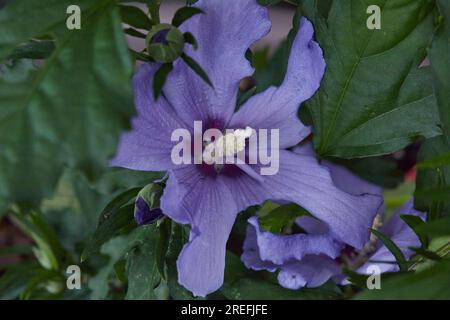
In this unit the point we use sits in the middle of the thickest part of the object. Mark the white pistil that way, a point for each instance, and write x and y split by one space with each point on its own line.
226 145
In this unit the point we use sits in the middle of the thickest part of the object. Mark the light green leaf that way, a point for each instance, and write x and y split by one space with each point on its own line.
49 251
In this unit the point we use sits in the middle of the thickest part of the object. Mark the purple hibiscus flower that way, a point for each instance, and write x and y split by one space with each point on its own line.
208 198
312 258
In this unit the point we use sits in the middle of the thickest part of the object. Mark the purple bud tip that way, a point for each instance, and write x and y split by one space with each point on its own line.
160 37
144 215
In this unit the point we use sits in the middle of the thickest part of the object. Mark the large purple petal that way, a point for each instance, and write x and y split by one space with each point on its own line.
302 180
224 33
276 108
402 235
208 206
311 272
148 145
343 178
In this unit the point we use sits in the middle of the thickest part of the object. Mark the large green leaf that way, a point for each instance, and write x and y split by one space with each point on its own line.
433 180
69 111
440 64
373 99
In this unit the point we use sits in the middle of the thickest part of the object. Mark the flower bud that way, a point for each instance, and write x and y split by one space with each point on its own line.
164 43
146 210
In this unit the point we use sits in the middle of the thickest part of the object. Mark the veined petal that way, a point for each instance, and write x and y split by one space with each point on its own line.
208 206
148 145
302 180
279 249
276 108
311 272
343 178
251 257
224 33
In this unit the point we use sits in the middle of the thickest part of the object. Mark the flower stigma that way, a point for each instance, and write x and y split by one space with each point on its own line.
226 145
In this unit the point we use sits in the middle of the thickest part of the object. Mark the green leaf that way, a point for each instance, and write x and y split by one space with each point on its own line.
431 283
162 246
134 33
49 251
153 8
184 14
427 254
374 99
16 249
116 249
189 38
71 110
178 238
43 283
439 55
117 216
197 69
436 228
42 18
15 279
34 50
244 96
393 248
277 220
415 223
268 2
433 179
432 193
142 266
160 79
271 71
440 160
360 280
135 17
